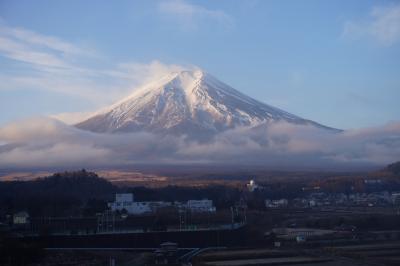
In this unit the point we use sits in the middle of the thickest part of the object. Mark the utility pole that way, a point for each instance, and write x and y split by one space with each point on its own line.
232 216
245 215
180 219
185 219
113 216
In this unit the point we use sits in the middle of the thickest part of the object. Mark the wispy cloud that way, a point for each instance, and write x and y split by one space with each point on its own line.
21 52
37 49
191 15
41 62
383 25
50 42
44 63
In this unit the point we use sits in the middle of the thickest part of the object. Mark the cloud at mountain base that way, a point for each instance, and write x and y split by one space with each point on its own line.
48 143
44 142
295 145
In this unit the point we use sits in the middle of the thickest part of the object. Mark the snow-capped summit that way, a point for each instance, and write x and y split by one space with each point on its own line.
191 103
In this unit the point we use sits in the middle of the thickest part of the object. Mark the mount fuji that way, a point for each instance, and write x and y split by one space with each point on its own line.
190 103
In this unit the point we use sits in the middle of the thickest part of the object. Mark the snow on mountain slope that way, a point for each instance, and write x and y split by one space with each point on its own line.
191 103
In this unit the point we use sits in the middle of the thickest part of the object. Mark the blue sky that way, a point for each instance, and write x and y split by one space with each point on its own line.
335 62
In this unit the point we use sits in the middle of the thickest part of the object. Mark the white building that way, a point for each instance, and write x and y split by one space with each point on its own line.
21 218
312 203
125 202
281 203
204 205
395 197
251 186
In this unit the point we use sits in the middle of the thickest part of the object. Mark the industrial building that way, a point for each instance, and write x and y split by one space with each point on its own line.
125 201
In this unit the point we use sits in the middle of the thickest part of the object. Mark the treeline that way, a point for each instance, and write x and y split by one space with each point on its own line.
62 194
387 179
394 169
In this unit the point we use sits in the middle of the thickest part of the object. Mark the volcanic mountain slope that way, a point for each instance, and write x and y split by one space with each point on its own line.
191 103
